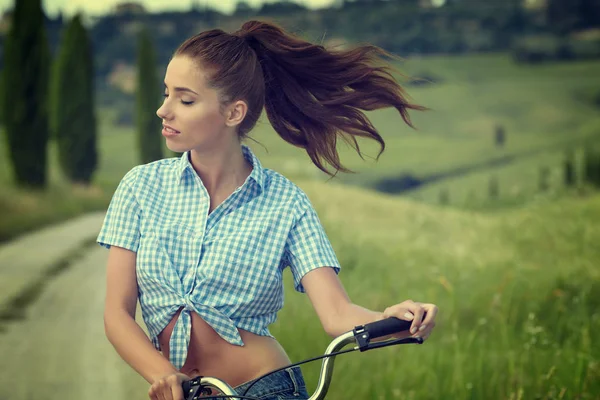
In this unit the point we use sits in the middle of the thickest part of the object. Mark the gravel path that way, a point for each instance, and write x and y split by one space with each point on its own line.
25 259
59 350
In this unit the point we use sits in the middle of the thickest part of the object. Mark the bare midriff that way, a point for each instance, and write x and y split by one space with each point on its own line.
211 355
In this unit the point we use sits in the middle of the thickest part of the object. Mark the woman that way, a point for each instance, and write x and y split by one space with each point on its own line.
202 240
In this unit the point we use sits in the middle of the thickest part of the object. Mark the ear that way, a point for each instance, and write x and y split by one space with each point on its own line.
235 113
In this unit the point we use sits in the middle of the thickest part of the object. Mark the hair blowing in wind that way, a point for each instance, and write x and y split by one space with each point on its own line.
312 95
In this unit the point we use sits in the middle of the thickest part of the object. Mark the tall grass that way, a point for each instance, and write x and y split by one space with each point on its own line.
518 290
541 106
519 298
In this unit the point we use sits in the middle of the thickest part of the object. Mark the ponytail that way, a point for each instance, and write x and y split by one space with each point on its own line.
311 95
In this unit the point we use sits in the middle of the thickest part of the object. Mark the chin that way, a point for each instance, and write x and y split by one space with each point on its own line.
176 148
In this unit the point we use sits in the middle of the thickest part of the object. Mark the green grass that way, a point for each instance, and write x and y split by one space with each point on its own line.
543 108
518 292
520 182
23 210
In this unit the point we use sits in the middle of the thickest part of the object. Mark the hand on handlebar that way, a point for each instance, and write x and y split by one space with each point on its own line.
413 311
168 387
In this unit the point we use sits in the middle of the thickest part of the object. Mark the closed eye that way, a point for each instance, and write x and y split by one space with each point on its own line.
187 103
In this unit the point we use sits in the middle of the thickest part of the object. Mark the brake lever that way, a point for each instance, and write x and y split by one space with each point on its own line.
193 389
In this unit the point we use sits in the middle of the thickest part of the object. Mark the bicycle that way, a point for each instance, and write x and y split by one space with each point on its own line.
361 336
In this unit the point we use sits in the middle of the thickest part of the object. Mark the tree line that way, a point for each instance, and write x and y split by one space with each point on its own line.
46 98
404 27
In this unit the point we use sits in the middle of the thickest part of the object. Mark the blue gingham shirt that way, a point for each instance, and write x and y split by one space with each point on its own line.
227 265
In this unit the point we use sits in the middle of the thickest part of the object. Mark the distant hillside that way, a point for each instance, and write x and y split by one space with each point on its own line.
405 27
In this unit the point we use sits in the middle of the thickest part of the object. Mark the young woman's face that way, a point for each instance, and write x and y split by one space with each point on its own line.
190 112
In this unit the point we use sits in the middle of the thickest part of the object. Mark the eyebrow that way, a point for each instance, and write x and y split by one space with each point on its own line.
183 89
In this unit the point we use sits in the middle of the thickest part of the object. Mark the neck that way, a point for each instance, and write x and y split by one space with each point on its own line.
221 169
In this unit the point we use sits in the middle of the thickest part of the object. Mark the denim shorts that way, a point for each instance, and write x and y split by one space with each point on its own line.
287 384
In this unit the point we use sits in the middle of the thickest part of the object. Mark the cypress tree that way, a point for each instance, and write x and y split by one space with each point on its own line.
147 102
24 93
544 176
569 169
1 97
73 114
592 165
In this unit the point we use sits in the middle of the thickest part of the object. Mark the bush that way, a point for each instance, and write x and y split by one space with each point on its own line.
581 49
570 178
424 78
536 48
493 188
592 165
542 48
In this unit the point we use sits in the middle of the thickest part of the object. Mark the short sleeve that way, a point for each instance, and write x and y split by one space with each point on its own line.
121 225
308 247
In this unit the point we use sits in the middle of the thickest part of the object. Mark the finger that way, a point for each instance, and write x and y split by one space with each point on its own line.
176 389
427 331
177 392
166 392
403 310
431 310
417 310
407 316
428 334
159 394
401 335
399 311
162 386
154 392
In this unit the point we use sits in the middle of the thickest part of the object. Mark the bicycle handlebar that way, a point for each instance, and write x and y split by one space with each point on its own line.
386 327
360 335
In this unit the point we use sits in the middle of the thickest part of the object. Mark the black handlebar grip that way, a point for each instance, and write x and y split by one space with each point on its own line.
388 326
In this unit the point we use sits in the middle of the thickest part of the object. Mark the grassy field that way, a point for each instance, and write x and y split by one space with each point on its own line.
542 108
518 290
519 294
536 178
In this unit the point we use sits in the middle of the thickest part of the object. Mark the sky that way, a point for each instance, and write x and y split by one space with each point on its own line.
98 7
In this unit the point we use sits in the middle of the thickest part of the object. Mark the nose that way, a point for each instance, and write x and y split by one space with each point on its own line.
163 111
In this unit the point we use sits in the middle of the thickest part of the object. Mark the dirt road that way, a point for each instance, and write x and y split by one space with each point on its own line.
59 350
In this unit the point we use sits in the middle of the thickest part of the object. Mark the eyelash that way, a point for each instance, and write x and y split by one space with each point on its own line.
187 103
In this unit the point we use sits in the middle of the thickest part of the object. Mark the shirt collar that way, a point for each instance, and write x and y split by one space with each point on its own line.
257 174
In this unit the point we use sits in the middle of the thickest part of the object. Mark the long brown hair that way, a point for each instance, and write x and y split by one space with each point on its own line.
311 95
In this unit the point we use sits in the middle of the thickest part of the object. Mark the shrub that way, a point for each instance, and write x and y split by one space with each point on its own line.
592 165
536 48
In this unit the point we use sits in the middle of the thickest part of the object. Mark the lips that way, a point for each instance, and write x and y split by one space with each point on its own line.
170 129
169 132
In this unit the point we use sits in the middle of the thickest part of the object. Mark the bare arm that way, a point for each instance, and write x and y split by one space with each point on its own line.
332 304
123 332
339 315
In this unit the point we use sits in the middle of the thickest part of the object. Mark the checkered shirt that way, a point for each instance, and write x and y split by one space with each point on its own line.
227 265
